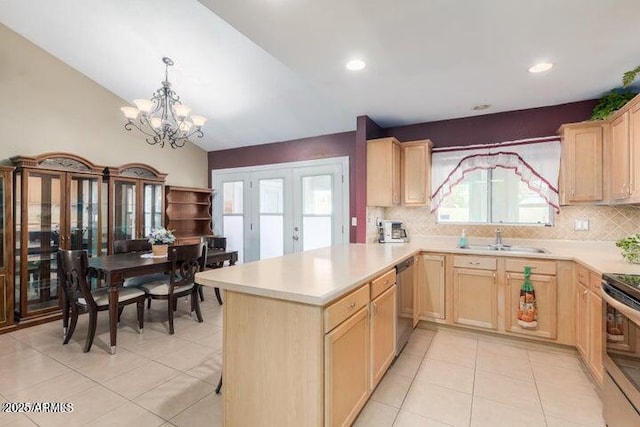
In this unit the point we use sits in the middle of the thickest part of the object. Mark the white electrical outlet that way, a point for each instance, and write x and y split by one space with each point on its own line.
354 221
581 224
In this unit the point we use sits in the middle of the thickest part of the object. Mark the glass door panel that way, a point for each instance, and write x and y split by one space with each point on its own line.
152 207
233 216
3 225
124 210
317 211
83 214
43 239
271 211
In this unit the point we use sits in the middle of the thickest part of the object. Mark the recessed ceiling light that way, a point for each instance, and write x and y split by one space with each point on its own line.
481 107
356 65
541 67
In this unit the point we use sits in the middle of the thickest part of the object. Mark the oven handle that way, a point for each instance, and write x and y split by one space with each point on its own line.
627 311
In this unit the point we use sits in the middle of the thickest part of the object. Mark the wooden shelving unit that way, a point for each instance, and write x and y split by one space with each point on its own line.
188 213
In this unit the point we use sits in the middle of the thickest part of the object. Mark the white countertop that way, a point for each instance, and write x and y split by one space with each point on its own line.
319 276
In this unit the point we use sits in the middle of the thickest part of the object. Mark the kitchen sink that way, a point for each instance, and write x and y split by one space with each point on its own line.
507 248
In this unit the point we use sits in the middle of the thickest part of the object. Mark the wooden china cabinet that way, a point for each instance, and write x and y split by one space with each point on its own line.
57 206
136 194
6 248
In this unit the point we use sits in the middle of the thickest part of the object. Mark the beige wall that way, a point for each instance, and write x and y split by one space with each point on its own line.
605 223
48 106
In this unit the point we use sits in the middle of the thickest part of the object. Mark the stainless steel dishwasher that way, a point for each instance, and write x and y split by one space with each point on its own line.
404 302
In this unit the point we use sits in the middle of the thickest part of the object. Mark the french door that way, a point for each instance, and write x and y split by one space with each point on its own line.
274 210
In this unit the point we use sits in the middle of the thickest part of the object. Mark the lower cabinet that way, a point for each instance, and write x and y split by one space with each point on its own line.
431 288
545 286
383 334
588 326
347 371
475 292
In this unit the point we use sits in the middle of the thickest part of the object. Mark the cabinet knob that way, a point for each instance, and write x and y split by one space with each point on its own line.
351 306
474 263
585 292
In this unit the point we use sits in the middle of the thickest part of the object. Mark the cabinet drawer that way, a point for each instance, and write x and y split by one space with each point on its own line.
595 281
583 275
383 283
537 266
482 263
342 309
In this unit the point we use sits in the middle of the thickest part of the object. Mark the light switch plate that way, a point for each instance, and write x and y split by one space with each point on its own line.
354 221
581 224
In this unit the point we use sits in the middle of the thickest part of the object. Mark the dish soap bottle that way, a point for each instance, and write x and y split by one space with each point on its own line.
463 243
528 310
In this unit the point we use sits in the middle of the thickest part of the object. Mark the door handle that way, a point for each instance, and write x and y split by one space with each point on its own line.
295 238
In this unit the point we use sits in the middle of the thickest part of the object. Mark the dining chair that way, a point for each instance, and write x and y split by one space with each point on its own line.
185 261
215 243
79 298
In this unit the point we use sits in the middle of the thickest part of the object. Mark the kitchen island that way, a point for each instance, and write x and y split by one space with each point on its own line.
276 317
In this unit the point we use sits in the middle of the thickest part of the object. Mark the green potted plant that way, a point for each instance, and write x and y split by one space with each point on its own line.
614 100
630 248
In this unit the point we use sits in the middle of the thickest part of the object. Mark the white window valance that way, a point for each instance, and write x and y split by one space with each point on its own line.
536 161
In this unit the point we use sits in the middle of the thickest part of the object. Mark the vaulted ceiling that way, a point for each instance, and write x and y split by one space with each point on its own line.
273 70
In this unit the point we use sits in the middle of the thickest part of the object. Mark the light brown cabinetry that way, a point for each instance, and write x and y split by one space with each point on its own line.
475 292
383 333
6 248
431 294
383 172
620 159
416 172
347 374
136 194
582 165
188 213
546 289
589 340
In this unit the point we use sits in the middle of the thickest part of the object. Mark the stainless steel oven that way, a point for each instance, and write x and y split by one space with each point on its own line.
621 320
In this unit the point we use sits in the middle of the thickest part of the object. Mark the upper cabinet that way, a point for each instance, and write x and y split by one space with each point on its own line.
398 173
581 177
188 213
136 193
416 172
383 172
625 153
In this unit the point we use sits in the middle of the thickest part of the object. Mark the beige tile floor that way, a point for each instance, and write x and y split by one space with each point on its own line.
444 378
454 378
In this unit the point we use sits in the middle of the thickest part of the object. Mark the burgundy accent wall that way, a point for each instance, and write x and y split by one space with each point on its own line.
498 127
319 147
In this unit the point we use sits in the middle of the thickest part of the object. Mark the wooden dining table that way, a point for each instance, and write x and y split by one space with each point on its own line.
116 268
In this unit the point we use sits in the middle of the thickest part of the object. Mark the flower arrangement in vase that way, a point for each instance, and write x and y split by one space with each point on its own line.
160 239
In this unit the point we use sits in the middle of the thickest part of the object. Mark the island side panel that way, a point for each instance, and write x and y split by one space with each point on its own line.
272 362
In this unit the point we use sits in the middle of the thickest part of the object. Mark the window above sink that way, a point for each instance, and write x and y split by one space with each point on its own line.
494 196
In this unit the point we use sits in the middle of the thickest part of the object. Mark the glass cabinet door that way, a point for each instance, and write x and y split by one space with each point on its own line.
3 227
124 225
152 202
84 199
43 209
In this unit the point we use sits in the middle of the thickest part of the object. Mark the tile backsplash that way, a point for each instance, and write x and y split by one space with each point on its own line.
605 223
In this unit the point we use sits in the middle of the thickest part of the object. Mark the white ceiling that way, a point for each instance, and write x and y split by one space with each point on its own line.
273 70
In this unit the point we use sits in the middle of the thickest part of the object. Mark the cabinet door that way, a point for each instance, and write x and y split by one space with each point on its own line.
415 173
546 290
634 141
152 212
620 162
6 252
582 320
383 333
431 288
125 210
347 371
84 214
475 296
595 335
582 164
396 159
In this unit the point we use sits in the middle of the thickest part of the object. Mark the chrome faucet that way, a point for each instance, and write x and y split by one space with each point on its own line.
498 237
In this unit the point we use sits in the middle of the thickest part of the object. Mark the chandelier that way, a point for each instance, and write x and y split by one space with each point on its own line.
163 118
